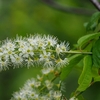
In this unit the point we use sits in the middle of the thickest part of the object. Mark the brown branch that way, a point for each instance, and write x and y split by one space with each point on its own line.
79 11
96 3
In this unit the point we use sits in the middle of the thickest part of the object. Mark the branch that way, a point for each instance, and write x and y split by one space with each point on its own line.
79 11
96 3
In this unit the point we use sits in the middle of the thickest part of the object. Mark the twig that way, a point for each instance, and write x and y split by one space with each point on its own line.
79 11
96 3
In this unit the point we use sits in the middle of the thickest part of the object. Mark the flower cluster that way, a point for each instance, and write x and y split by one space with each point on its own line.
41 88
37 49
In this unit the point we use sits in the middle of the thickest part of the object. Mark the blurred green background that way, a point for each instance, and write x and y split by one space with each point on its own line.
25 17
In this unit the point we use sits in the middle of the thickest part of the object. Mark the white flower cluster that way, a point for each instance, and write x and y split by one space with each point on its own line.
37 49
40 88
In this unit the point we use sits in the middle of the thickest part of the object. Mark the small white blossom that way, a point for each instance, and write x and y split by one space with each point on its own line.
58 49
9 45
29 62
61 62
45 56
45 71
30 83
33 41
16 59
50 41
40 42
3 65
42 50
48 63
62 47
40 78
48 84
57 95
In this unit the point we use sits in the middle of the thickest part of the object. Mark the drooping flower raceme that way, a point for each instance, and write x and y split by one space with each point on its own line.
41 88
35 49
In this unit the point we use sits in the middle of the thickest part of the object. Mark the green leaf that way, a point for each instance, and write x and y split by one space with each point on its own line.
87 38
95 74
73 60
86 75
96 54
97 79
93 23
80 97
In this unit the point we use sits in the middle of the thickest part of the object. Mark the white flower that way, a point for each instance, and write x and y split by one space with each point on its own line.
45 71
33 41
61 62
44 98
40 41
58 49
36 97
3 65
50 94
8 53
45 56
27 51
48 84
37 84
44 50
9 45
50 41
16 96
57 95
16 59
40 78
64 46
30 83
48 63
29 62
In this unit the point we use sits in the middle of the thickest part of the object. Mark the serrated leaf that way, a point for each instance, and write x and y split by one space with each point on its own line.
92 24
96 54
86 75
73 60
87 38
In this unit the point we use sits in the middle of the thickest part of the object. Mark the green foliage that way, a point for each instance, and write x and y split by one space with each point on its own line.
83 41
95 74
73 61
96 54
80 97
86 75
93 23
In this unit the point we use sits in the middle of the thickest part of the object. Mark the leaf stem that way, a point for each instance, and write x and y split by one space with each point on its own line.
78 52
72 52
